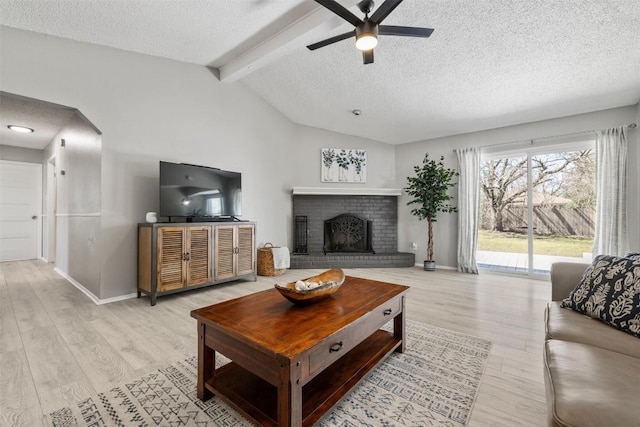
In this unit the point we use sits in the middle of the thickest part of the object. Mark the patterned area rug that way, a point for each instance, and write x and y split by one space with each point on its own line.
434 383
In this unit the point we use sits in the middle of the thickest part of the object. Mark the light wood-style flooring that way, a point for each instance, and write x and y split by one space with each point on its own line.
57 347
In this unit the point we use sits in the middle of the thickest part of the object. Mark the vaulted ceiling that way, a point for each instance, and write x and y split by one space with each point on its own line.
488 63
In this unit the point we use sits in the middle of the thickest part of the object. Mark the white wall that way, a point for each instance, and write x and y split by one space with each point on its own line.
78 198
19 154
445 230
306 160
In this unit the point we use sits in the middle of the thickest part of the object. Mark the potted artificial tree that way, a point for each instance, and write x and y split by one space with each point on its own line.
430 191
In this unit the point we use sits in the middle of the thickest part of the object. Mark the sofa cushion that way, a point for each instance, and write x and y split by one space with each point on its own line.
569 325
590 386
609 290
564 278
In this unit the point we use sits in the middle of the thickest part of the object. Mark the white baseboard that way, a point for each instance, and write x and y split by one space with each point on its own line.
77 284
92 297
118 298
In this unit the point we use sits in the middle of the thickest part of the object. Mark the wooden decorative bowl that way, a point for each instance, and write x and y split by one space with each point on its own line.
330 281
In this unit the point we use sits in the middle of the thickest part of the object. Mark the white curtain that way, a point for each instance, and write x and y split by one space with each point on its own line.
468 208
611 193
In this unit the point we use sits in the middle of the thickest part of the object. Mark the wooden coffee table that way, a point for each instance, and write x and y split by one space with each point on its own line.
291 364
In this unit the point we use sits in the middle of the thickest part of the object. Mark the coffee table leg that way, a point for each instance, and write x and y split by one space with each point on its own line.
290 395
398 329
206 364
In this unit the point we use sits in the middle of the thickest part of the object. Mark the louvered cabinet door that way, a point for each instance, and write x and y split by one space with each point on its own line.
171 263
224 252
198 243
246 251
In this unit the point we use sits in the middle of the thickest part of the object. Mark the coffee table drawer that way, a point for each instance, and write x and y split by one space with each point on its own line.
338 344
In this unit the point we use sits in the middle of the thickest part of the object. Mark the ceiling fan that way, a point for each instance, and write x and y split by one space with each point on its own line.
366 30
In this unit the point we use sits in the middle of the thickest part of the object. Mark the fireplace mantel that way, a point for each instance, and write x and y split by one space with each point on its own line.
326 191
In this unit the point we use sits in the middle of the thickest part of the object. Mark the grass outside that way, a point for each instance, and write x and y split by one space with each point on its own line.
570 246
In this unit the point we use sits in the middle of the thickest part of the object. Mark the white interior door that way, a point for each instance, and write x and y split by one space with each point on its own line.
20 210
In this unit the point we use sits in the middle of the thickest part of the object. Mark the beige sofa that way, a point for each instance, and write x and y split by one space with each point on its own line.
592 370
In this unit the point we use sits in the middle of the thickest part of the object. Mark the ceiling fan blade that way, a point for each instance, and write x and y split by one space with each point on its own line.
341 11
394 30
385 9
331 40
367 56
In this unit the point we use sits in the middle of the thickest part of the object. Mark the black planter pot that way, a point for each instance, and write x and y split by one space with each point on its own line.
429 266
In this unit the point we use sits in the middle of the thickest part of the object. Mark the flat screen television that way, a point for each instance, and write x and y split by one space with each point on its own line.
193 191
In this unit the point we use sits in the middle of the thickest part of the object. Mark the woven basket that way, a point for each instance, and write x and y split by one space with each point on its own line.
265 262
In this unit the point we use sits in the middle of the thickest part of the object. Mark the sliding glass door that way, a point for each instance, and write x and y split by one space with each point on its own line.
537 207
502 237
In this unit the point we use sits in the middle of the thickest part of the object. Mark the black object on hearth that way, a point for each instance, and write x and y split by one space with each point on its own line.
300 244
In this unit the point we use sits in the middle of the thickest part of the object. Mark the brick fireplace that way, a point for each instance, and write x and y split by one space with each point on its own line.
377 212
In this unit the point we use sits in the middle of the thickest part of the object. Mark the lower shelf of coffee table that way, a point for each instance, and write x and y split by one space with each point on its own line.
257 400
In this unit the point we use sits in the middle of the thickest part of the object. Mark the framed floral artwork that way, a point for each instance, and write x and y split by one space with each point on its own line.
344 165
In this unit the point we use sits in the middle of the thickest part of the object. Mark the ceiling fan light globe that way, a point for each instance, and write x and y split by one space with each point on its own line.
366 35
366 41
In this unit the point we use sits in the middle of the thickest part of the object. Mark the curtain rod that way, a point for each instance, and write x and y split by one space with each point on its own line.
630 126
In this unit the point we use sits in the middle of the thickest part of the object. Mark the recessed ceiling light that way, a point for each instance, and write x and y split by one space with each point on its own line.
356 112
21 129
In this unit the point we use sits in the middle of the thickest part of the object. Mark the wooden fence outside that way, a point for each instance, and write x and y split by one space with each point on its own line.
547 220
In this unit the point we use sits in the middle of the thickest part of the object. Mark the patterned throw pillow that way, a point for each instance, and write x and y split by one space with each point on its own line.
609 290
634 255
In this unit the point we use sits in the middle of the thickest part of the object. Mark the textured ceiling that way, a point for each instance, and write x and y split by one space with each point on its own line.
47 119
488 64
195 31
